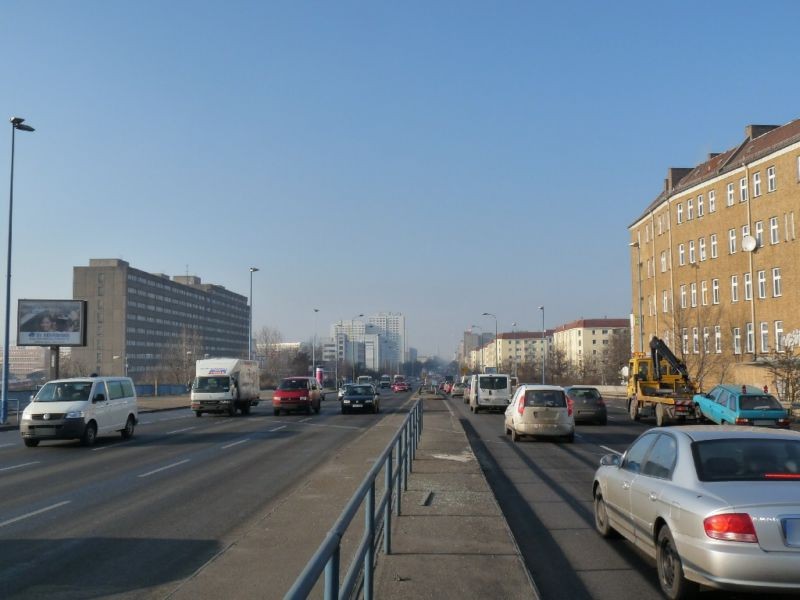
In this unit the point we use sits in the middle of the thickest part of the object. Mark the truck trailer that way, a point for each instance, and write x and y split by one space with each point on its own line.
225 385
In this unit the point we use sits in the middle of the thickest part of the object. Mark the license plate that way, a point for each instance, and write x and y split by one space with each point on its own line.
764 422
791 531
358 406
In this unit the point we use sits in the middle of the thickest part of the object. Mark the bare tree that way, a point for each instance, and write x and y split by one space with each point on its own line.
784 367
178 358
695 343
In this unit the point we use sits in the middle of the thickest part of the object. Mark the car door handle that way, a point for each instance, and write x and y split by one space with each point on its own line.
653 496
626 485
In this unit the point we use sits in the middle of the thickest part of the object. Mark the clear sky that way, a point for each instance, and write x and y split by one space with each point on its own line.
440 159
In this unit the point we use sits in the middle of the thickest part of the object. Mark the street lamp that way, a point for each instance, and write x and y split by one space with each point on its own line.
480 341
514 346
16 123
641 314
544 344
496 359
353 345
314 346
117 356
250 332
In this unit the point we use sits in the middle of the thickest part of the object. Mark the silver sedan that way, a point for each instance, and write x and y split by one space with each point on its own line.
714 506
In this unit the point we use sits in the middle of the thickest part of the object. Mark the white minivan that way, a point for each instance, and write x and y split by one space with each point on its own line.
80 408
489 391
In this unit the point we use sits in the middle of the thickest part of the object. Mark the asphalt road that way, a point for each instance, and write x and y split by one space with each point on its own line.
132 518
545 491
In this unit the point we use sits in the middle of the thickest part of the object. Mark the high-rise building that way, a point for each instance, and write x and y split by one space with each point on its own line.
144 323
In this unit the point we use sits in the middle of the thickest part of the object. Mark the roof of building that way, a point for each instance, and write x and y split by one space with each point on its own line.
521 335
759 141
595 324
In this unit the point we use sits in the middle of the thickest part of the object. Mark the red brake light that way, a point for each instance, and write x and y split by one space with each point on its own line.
783 422
731 527
570 402
781 475
741 421
600 401
521 405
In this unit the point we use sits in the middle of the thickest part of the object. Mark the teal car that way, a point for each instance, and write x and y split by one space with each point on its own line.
742 405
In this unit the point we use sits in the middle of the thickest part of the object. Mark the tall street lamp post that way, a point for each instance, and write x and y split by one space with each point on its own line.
544 344
314 346
496 346
250 327
641 314
16 123
514 346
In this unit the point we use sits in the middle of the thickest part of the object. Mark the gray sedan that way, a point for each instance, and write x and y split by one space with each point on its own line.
715 506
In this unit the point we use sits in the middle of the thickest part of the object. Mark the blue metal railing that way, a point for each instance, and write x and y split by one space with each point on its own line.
327 558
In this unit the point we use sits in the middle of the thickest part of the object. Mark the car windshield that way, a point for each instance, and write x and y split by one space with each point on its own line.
759 402
64 391
360 390
545 398
212 384
743 459
493 383
293 384
584 393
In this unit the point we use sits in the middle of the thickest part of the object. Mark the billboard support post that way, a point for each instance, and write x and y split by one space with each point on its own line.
55 355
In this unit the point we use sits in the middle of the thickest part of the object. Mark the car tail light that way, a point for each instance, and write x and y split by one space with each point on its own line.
781 475
742 421
731 527
783 422
570 402
600 401
521 405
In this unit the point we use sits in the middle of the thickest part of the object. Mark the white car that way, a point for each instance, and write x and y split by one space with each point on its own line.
540 410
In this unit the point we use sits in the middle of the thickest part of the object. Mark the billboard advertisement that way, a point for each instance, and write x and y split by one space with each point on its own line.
51 323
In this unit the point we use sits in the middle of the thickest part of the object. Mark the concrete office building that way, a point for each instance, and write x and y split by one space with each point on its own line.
24 360
138 321
715 259
589 344
391 328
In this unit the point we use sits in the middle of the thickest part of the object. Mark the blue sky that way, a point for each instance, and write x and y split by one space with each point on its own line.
440 159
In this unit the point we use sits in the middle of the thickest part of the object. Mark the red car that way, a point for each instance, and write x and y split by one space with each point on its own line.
297 393
400 386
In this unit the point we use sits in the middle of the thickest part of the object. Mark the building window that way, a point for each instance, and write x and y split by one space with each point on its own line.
683 296
749 341
712 201
663 261
773 230
665 301
776 282
717 339
713 245
759 234
756 184
772 184
702 248
743 189
715 291
689 209
681 255
729 197
737 340
731 241
692 258
734 288
778 336
704 292
680 213
705 340
745 230
762 284
700 206
693 294
748 287
685 340
695 341
764 336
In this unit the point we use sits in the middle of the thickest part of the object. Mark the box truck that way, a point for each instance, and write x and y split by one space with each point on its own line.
223 385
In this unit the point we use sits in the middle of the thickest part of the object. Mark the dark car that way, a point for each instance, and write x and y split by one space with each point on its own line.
587 404
361 397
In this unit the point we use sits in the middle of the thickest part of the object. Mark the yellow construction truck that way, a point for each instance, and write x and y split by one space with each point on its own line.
659 386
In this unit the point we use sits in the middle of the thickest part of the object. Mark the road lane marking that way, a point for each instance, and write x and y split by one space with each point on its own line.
180 462
304 420
236 443
611 450
180 430
6 445
28 464
34 513
277 428
579 436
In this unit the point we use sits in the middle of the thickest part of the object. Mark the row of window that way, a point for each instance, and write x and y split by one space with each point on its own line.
692 340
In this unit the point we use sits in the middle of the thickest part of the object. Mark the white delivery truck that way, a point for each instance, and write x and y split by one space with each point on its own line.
224 385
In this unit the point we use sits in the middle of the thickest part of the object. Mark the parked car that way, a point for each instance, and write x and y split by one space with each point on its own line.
400 386
742 405
458 390
718 507
361 397
587 404
539 410
80 408
297 393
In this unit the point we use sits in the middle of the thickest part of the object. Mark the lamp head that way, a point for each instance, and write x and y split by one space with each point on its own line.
254 269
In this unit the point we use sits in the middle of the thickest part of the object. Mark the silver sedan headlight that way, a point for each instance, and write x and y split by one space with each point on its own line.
27 417
75 414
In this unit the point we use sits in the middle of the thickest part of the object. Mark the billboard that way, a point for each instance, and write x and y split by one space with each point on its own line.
51 323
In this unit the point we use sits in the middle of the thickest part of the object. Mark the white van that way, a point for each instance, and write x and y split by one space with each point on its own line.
80 408
490 391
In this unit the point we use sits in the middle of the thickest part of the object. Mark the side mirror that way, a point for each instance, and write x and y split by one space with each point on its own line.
610 460
98 398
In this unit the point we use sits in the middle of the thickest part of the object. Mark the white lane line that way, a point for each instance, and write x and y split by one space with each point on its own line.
304 420
180 462
179 430
611 450
236 443
27 464
579 436
277 428
34 513
6 445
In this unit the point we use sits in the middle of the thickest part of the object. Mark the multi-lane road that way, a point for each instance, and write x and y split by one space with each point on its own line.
134 518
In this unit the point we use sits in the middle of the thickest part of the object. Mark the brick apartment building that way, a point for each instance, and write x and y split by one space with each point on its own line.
715 258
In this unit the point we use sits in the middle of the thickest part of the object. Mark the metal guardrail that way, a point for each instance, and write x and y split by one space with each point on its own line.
327 557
